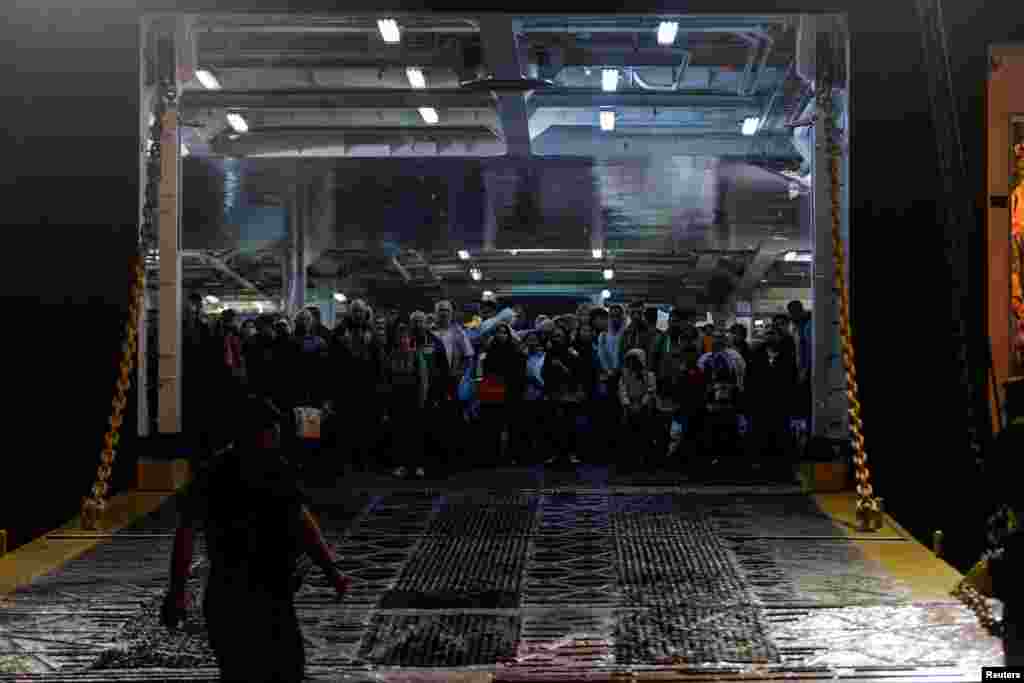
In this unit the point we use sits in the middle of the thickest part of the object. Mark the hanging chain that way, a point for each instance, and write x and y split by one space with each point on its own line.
868 506
95 504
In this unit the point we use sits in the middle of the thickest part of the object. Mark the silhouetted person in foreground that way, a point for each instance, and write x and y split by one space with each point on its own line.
256 524
1007 567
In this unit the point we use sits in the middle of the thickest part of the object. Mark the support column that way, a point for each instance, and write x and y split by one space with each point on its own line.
491 185
169 403
597 227
147 93
296 255
828 376
499 33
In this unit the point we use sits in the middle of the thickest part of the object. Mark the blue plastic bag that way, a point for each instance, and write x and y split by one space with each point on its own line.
467 389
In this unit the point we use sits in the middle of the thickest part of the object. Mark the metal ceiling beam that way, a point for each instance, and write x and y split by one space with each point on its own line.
569 98
222 267
590 142
599 56
363 98
291 24
325 59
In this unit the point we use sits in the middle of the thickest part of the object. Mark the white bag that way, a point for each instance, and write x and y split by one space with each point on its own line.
308 421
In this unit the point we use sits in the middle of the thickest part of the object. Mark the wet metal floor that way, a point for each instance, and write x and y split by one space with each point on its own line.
583 575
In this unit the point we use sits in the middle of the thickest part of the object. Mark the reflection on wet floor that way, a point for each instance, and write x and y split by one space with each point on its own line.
527 584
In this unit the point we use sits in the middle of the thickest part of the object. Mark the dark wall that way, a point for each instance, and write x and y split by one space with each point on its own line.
69 110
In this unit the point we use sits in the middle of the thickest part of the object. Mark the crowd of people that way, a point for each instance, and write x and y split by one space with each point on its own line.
430 393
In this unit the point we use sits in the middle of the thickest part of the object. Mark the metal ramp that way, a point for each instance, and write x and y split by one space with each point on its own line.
600 582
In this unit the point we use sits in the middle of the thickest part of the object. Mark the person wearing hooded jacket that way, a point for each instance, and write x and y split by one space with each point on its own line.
637 392
357 360
503 376
563 386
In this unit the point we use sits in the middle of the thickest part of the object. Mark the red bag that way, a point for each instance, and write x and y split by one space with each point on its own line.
491 390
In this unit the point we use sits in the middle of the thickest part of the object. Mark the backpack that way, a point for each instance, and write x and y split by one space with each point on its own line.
721 369
722 388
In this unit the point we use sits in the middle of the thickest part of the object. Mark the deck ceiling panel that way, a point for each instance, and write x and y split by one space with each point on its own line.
673 182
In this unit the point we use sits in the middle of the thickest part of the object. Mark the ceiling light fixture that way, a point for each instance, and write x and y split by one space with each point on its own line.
609 80
797 257
597 253
429 115
184 150
212 300
340 298
476 274
750 125
606 294
463 254
238 123
207 79
609 274
667 32
607 121
488 294
416 78
389 30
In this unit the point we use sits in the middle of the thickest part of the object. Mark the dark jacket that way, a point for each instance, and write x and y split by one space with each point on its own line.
770 386
562 374
507 363
590 366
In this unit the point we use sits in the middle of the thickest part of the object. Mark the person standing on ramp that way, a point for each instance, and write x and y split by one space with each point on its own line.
256 525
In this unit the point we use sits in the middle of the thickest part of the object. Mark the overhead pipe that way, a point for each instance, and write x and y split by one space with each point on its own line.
770 106
222 267
677 82
400 269
768 47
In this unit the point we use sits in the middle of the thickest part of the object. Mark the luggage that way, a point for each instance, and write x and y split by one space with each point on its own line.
491 390
309 423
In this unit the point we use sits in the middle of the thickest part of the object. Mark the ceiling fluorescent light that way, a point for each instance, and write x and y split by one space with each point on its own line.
207 79
416 78
609 80
238 123
184 150
429 115
597 253
340 298
750 125
607 120
667 32
389 30
212 300
609 274
797 257
463 254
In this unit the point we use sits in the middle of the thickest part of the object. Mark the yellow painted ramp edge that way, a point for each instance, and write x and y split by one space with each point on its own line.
929 578
44 555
